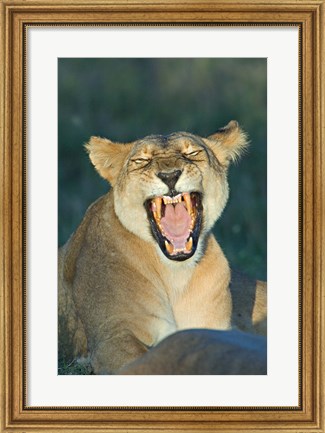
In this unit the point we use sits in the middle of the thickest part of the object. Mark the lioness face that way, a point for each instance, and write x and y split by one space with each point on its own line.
178 187
171 189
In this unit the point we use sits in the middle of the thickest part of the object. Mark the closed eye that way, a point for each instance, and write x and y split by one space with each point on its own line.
141 160
196 152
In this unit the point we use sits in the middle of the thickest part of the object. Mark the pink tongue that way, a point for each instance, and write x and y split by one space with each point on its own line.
176 223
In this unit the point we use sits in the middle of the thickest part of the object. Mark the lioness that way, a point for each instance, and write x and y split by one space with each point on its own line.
143 262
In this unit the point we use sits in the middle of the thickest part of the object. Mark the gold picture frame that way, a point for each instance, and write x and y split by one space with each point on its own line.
308 16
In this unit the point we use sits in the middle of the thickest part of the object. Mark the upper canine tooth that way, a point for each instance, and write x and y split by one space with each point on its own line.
188 202
157 201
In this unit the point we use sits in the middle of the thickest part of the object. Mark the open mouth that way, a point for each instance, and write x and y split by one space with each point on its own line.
176 223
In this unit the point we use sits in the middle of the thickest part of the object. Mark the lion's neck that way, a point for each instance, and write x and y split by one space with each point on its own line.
179 276
175 275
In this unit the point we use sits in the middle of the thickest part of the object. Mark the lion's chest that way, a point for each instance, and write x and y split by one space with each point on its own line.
198 298
165 288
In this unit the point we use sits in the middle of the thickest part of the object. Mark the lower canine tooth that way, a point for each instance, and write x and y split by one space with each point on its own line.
169 247
189 244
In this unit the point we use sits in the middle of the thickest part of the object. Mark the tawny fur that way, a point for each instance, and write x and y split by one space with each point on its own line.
118 294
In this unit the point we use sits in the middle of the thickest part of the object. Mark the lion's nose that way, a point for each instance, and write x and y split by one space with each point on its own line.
170 178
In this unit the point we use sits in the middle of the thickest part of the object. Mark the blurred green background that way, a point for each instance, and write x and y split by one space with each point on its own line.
126 99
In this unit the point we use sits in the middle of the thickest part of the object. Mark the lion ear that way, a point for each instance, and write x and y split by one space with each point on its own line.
107 157
228 143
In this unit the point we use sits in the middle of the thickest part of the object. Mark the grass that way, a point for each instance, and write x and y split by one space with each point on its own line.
74 367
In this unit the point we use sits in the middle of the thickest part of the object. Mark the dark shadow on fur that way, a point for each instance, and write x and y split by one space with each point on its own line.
242 287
